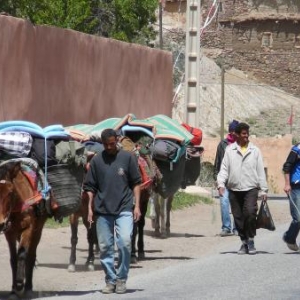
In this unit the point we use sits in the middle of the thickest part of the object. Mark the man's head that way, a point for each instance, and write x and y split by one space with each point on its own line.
232 126
109 141
242 133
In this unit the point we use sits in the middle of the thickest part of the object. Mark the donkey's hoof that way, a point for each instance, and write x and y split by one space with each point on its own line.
133 260
90 267
163 235
153 223
29 294
141 255
71 268
12 296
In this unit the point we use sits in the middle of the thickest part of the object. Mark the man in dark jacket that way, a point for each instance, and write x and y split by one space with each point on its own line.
291 170
224 200
112 181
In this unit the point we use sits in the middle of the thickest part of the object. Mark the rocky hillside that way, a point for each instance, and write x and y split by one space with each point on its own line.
266 109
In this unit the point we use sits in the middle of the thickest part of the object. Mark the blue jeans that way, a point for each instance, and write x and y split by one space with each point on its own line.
293 231
111 229
225 212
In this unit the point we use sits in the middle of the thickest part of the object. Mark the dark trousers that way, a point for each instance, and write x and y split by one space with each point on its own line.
244 209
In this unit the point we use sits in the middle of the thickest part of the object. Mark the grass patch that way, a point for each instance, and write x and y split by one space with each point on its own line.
182 200
51 223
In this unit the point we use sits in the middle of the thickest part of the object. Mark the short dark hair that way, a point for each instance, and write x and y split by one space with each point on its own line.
240 127
107 133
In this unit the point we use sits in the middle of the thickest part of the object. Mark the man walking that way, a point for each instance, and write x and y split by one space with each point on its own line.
224 200
242 171
291 170
111 182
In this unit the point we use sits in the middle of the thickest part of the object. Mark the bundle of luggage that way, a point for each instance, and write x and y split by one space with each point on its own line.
55 156
160 143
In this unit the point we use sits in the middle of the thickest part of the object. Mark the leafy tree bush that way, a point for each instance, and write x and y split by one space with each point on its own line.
126 20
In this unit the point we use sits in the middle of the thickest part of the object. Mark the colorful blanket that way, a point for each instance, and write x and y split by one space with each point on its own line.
158 126
48 132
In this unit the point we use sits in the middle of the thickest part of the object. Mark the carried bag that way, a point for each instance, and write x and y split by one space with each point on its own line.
165 150
264 218
15 143
38 152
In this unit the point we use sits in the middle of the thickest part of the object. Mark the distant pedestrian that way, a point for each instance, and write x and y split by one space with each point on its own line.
112 181
226 228
291 170
242 172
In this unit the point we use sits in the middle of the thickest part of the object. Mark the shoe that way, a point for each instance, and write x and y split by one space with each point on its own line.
251 247
225 233
235 232
109 289
293 247
243 249
133 259
121 286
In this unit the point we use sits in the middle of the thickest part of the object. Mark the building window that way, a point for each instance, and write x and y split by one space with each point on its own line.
220 7
297 40
266 40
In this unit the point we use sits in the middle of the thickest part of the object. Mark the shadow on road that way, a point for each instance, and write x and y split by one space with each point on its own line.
235 252
37 294
173 234
79 267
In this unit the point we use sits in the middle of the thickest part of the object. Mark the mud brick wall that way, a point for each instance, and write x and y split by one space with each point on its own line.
51 75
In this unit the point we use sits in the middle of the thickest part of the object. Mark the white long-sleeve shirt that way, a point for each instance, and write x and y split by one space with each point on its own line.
242 171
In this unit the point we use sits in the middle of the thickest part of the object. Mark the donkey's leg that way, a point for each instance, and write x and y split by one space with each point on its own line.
133 243
12 244
74 240
91 233
33 237
20 275
156 221
163 214
168 212
141 223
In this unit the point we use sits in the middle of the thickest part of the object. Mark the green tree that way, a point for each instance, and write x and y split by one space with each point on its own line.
72 14
126 20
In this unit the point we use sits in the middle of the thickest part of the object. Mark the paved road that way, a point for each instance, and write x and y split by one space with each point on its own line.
271 274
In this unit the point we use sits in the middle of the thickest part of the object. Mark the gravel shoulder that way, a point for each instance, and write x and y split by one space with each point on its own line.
194 234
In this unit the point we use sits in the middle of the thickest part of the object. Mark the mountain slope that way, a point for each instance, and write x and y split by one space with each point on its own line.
265 108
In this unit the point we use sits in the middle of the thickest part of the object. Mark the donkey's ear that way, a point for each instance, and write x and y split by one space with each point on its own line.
14 170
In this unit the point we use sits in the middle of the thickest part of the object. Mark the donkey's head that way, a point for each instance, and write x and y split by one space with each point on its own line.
6 189
7 200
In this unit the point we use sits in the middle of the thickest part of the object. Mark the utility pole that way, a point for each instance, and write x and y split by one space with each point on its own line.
160 13
192 59
222 102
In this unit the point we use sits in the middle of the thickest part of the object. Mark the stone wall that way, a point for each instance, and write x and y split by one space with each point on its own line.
242 43
274 150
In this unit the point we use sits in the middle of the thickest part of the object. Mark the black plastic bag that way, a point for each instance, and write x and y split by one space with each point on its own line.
264 218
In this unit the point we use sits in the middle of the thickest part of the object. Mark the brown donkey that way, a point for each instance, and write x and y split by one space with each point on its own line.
22 217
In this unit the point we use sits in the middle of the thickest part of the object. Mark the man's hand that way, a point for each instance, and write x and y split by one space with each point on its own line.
221 191
264 197
136 214
287 188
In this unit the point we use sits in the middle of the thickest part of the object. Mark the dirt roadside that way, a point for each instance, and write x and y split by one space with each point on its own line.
194 233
